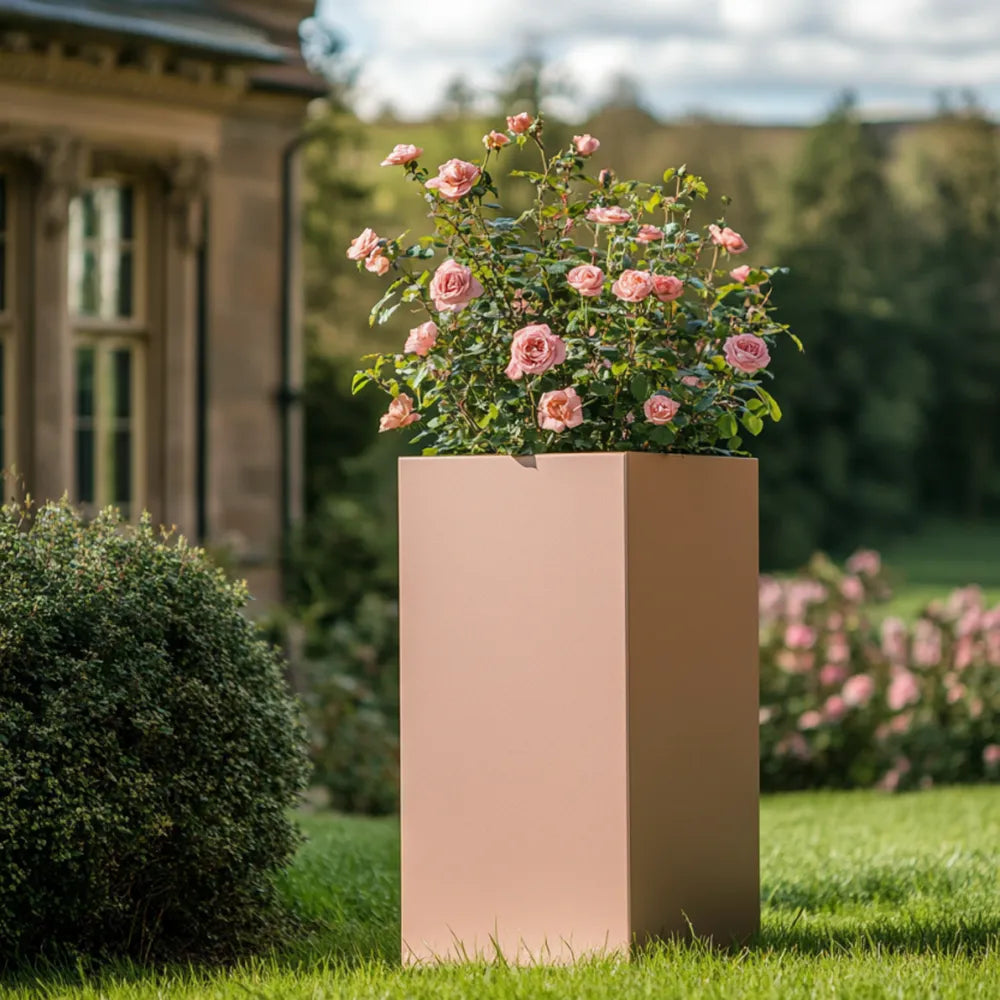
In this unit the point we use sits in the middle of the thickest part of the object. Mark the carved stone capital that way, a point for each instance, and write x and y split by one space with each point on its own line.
187 179
64 162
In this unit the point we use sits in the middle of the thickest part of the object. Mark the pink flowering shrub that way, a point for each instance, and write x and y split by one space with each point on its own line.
850 702
601 318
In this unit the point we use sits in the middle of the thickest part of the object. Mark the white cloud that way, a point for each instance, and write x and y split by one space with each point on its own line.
778 59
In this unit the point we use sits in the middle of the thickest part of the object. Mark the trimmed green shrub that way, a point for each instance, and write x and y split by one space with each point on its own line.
149 749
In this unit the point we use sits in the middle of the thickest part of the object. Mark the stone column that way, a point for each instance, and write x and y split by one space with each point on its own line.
63 160
188 183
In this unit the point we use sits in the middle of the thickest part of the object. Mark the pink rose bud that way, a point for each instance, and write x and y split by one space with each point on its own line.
363 244
586 144
852 589
606 177
810 720
402 153
727 239
834 708
903 690
832 674
800 636
647 234
633 286
453 287
560 409
421 339
865 562
534 349
609 215
400 414
740 273
587 279
858 690
747 353
377 262
520 123
660 409
495 140
667 288
691 380
455 179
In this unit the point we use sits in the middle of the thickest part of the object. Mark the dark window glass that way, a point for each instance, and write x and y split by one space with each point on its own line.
3 406
122 362
122 474
3 243
3 204
85 464
126 211
84 382
125 284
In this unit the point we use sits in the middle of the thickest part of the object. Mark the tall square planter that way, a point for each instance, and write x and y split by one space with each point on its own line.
578 703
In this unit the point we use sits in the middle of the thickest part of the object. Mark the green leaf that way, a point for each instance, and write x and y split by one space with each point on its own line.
726 425
488 418
360 380
662 435
772 403
429 451
639 386
619 367
752 423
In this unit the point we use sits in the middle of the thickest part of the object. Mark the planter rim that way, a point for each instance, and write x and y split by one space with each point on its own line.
591 455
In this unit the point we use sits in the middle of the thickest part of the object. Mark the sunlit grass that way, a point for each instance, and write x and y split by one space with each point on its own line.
865 895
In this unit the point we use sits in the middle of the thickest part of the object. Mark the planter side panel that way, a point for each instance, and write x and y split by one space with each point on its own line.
513 706
693 695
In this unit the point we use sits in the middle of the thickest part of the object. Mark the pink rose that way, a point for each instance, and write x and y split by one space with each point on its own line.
858 690
832 674
991 754
660 409
608 215
793 745
453 287
810 720
800 636
903 690
667 288
377 262
534 349
402 153
838 649
690 380
455 179
633 286
363 244
400 414
647 234
852 589
520 123
421 339
586 144
834 708
560 409
865 562
740 274
495 140
727 239
587 279
747 353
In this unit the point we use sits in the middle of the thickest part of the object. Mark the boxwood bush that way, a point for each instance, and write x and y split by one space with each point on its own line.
149 749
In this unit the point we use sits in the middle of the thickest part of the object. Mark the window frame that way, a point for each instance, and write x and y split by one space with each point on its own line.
8 325
105 336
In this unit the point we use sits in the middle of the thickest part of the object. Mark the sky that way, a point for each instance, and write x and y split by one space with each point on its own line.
753 60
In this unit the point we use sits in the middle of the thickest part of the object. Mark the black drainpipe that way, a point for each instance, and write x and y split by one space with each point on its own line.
287 395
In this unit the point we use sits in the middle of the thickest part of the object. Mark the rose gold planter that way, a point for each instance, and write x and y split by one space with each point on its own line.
578 702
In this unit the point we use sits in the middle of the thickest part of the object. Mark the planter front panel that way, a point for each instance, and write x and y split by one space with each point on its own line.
513 706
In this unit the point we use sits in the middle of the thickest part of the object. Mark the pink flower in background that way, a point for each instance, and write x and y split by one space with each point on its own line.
727 239
835 621
900 724
798 636
524 306
363 244
402 153
647 234
838 647
852 589
400 414
633 286
377 262
991 754
926 644
834 708
810 720
587 279
970 622
660 409
954 692
976 708
746 353
770 597
802 593
666 287
793 745
764 715
455 179
690 380
560 409
534 349
891 779
965 652
421 339
793 662
610 215
495 140
894 641
740 273
453 287
586 144
858 690
865 562
993 648
903 690
832 674
520 123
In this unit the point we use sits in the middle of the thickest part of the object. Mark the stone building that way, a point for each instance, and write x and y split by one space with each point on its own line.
149 355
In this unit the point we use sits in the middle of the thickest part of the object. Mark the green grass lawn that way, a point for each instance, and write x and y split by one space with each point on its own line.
865 895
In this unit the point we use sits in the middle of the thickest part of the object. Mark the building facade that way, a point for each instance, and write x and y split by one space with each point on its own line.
149 355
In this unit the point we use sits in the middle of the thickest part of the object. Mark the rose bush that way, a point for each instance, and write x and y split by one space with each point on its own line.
849 702
601 318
